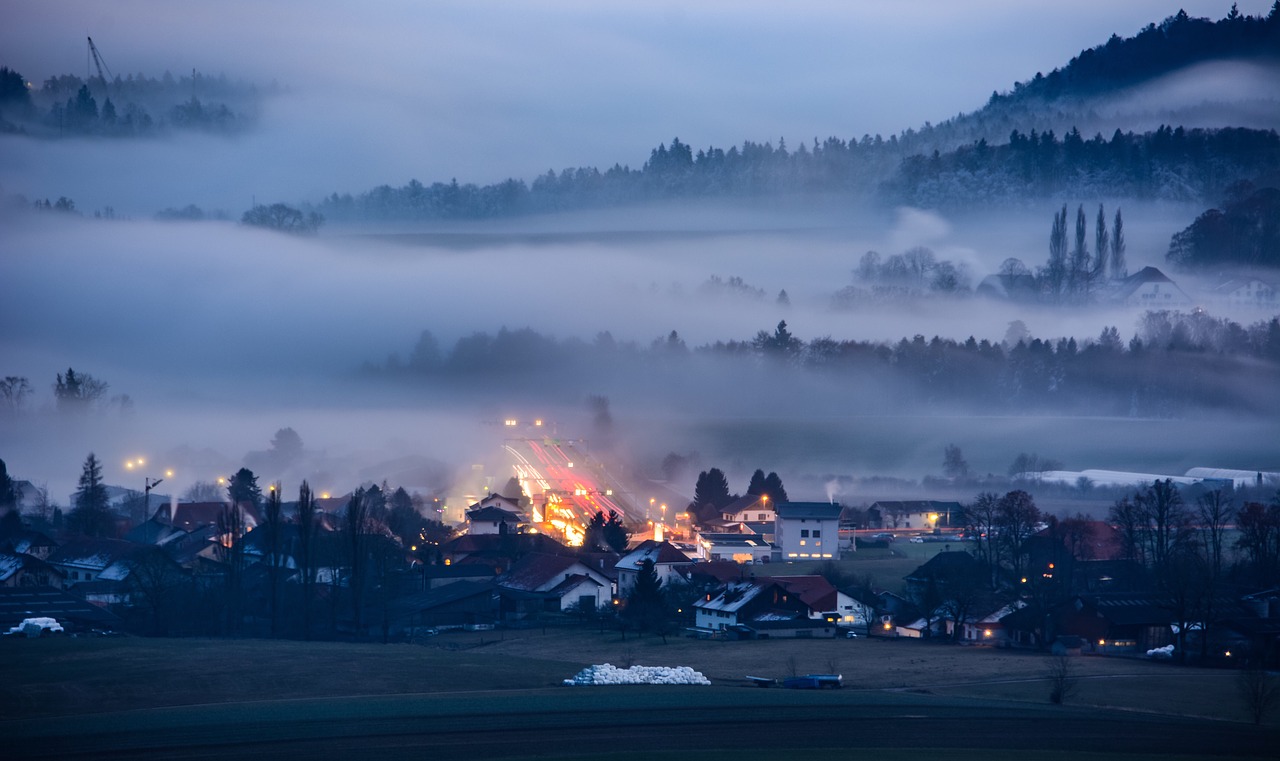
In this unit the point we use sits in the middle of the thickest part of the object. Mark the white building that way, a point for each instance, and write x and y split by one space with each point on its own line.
806 530
1247 292
1150 288
666 560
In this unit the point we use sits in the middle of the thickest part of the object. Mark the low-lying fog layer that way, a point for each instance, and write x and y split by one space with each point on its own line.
221 335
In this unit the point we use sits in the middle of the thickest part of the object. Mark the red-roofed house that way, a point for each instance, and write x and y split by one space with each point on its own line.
540 582
823 600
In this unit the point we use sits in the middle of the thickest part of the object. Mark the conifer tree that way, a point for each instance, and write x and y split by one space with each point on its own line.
1101 247
91 515
1119 269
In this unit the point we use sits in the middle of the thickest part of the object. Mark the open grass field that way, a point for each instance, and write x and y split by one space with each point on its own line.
498 695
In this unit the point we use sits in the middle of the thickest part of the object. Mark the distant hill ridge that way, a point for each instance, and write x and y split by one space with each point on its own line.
983 155
1159 49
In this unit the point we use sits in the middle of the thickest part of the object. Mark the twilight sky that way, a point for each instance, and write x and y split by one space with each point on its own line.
485 90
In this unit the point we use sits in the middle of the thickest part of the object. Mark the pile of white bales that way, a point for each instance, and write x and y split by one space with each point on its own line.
607 673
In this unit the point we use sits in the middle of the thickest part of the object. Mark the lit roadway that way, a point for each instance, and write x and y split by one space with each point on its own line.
572 486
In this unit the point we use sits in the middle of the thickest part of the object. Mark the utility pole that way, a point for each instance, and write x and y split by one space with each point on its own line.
148 485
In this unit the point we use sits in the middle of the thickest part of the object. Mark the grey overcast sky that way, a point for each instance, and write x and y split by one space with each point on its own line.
389 91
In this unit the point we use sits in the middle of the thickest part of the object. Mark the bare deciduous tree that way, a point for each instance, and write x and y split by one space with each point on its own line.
1063 679
1260 692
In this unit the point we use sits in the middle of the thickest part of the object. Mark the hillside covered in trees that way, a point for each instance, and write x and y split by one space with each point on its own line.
1008 150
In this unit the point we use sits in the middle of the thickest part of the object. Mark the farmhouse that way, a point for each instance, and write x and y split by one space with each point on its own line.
1150 288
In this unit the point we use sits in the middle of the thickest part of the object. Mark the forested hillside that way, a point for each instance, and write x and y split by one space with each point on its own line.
1003 152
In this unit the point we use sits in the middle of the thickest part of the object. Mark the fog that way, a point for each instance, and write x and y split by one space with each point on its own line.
221 334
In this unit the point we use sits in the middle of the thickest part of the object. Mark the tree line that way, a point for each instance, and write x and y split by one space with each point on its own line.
130 106
1170 163
1176 361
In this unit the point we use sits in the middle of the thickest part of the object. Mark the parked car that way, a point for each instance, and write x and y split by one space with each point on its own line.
917 540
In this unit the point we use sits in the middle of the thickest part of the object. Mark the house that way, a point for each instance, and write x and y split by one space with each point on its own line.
1249 292
753 508
498 550
1150 288
539 582
21 570
740 548
29 542
892 610
666 560
89 559
821 598
926 514
808 530
859 609
985 626
492 519
1115 623
743 602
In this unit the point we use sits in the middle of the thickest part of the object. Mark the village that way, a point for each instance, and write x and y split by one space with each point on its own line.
996 573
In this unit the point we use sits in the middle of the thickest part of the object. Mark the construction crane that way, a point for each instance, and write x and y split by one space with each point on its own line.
101 65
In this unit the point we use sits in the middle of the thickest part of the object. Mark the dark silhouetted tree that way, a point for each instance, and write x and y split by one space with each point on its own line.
14 391
76 392
954 465
1101 247
8 490
646 605
616 535
284 218
273 557
91 515
308 514
243 488
1118 267
712 488
593 533
1016 518
773 487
